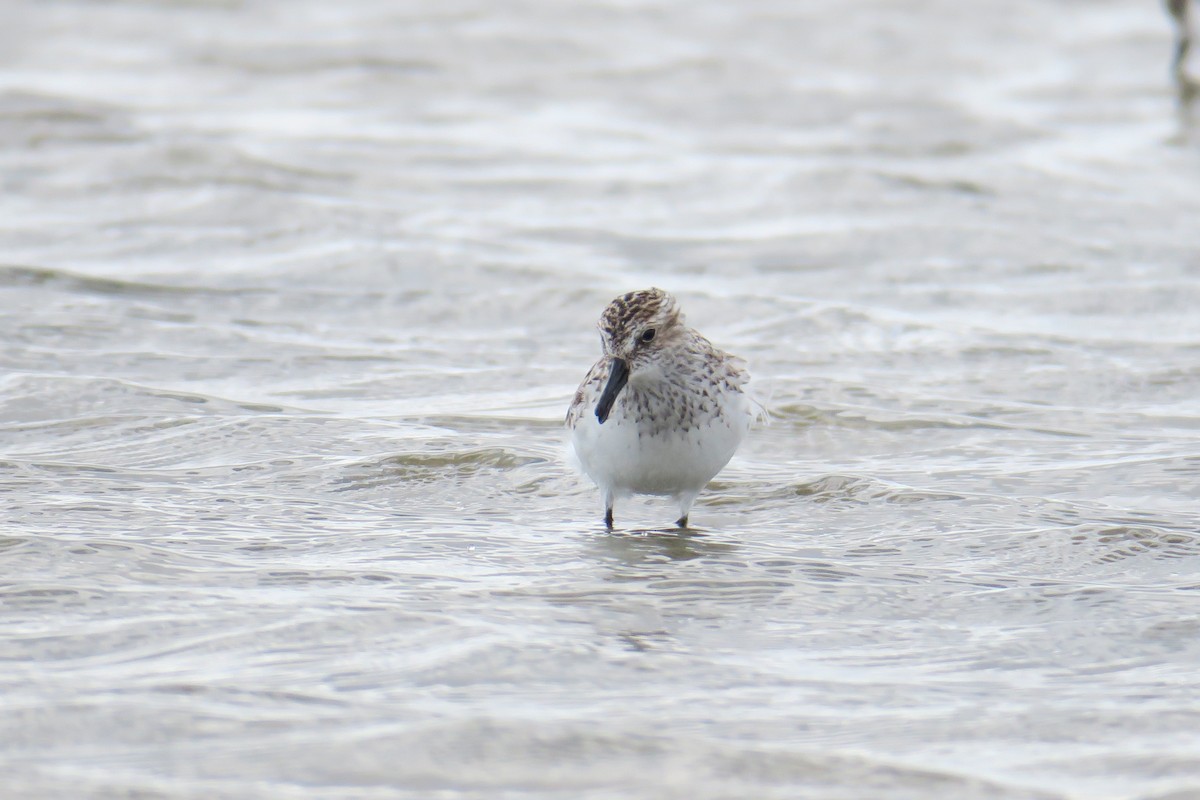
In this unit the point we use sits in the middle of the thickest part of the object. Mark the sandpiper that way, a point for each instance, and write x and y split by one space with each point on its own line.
662 411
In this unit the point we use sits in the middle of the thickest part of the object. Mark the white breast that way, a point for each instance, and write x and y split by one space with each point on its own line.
623 457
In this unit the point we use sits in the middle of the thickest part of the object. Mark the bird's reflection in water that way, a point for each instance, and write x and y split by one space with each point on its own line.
634 548
1188 115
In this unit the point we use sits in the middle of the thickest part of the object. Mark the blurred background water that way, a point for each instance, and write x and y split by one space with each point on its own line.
294 295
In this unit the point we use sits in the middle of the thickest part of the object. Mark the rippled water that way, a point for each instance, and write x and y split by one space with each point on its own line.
294 296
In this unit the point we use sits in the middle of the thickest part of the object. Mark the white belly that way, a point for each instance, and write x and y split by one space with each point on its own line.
624 458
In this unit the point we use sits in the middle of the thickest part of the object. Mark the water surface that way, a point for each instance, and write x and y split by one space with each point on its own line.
294 296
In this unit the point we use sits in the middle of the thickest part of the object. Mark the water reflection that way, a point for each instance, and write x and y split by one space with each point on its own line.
643 547
1188 114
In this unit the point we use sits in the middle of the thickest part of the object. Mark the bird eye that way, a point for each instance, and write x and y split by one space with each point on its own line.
648 336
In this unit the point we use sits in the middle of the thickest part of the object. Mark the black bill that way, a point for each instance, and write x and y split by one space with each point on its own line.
618 376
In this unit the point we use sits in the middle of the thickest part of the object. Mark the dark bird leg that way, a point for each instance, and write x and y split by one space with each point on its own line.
682 521
608 517
1180 10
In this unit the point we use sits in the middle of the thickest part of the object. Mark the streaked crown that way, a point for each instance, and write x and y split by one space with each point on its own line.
630 316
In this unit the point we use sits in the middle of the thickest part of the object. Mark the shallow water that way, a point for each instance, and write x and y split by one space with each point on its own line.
294 297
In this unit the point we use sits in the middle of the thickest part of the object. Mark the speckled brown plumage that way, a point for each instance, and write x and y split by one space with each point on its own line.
679 416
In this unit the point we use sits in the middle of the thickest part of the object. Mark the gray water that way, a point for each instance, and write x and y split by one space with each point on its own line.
295 294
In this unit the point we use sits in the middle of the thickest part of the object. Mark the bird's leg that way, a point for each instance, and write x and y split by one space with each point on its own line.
1180 10
685 506
608 518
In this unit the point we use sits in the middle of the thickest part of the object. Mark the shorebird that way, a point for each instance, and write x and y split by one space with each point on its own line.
662 411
